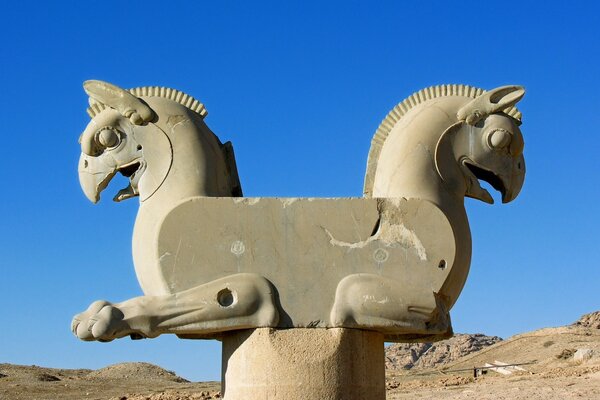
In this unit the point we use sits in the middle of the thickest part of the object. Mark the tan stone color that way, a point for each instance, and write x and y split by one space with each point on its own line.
299 364
210 262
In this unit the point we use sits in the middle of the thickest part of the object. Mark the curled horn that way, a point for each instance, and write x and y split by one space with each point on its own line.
490 102
121 100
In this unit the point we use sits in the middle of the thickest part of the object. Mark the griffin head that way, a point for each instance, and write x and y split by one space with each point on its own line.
115 141
487 145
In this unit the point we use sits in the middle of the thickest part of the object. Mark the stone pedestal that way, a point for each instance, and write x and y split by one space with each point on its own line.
303 364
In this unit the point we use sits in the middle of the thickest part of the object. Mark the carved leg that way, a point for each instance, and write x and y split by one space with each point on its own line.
368 300
238 301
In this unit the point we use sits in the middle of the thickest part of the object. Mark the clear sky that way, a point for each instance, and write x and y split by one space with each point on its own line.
299 87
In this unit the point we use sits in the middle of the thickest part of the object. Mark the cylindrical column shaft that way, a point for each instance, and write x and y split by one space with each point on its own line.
303 364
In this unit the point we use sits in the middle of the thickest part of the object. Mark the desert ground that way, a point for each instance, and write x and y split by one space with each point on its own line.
552 370
554 363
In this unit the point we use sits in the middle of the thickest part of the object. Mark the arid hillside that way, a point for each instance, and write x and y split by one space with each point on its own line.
126 381
553 364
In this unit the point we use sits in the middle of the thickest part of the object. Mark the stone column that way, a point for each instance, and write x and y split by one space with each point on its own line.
299 364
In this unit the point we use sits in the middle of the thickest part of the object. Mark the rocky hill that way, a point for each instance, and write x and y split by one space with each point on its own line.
561 363
135 370
591 320
419 356
405 356
125 381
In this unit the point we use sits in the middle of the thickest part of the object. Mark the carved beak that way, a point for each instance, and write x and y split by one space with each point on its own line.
94 176
514 182
95 173
508 183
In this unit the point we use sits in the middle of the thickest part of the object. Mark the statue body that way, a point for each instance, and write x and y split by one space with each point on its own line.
210 261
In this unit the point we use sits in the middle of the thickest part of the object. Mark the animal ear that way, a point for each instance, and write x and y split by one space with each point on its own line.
121 100
490 102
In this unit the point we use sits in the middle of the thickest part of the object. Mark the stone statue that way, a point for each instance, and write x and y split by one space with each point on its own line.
211 262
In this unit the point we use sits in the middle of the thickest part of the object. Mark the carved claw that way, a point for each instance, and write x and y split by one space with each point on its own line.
80 324
104 321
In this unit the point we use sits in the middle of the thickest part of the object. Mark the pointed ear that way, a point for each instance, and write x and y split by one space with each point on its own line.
489 103
121 100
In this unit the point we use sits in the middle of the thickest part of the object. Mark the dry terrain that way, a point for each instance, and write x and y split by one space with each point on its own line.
548 357
131 381
557 363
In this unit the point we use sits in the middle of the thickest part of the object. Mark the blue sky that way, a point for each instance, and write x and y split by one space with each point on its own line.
299 88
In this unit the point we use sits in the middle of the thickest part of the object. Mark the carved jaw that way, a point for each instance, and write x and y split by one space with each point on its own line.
472 174
134 171
95 175
509 185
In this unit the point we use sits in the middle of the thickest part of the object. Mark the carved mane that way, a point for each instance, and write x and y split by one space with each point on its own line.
156 91
414 100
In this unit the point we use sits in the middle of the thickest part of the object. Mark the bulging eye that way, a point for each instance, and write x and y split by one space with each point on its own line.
108 138
499 139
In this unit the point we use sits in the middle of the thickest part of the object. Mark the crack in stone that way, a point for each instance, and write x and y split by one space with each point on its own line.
388 234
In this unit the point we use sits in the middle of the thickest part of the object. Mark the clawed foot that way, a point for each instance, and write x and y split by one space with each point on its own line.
104 321
240 301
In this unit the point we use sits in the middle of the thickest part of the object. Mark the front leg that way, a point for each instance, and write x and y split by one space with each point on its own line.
240 301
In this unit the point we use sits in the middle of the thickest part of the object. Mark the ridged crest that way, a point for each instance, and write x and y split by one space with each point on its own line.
388 123
156 91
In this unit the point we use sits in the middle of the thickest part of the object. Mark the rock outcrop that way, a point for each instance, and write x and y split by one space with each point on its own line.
591 320
400 356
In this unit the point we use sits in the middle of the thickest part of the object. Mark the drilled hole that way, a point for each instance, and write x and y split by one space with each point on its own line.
442 264
225 298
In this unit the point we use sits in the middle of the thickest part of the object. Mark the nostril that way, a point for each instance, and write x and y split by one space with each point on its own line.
85 163
139 147
519 165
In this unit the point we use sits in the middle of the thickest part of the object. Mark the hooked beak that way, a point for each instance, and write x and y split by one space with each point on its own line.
509 184
95 175
514 182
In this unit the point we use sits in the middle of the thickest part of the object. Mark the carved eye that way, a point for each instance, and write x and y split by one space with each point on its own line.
499 139
108 138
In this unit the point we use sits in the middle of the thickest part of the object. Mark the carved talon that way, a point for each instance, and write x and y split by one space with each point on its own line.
104 321
80 326
107 323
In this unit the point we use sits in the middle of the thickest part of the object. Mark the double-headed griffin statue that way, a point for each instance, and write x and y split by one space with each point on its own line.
211 261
